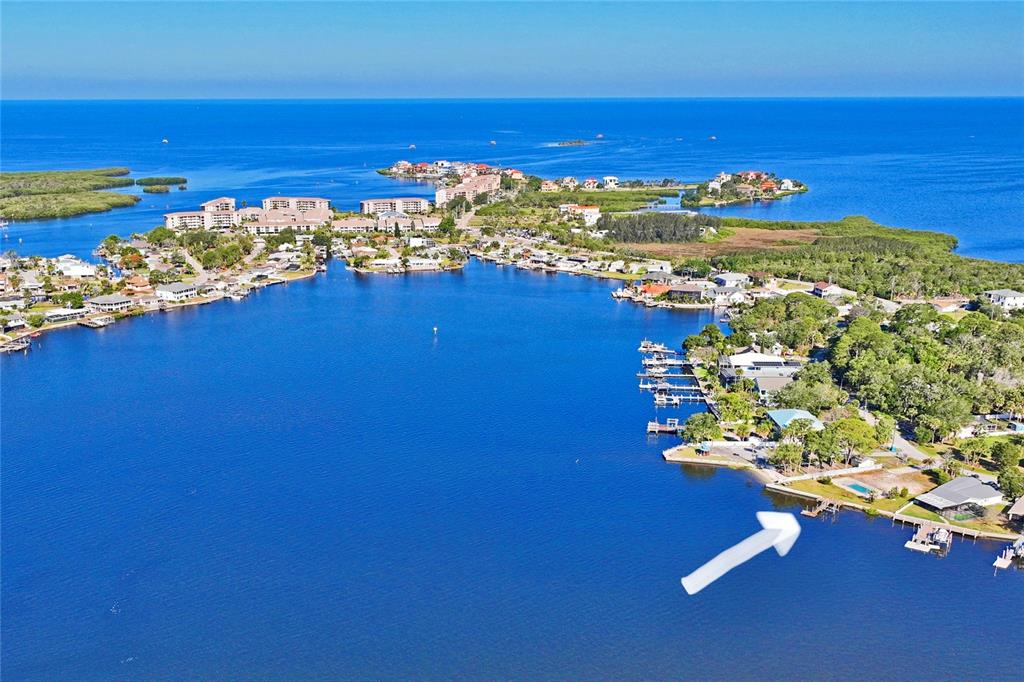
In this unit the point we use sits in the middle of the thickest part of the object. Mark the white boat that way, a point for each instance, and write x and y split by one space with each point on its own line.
164 141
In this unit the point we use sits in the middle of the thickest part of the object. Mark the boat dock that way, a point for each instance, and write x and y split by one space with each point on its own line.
930 538
1010 554
97 322
823 507
16 345
671 427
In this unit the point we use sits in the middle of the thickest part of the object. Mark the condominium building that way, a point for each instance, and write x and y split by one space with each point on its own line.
396 204
296 203
470 188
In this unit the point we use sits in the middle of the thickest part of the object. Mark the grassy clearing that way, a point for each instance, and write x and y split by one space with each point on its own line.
739 240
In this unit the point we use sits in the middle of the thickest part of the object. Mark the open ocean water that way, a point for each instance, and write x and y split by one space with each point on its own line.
309 484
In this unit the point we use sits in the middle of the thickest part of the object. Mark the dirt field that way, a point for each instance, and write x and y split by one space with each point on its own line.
743 239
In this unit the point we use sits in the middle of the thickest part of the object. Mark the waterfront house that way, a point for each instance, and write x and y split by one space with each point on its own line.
726 296
569 182
746 191
610 182
395 204
687 292
55 315
549 186
787 185
1007 299
14 323
176 291
590 183
754 365
732 279
781 419
110 303
959 495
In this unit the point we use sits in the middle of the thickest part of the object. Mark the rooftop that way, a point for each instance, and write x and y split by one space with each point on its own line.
960 491
784 418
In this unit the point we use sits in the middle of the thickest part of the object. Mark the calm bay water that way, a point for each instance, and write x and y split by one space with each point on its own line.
950 165
309 484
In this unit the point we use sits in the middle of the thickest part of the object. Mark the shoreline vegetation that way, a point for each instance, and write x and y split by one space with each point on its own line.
35 195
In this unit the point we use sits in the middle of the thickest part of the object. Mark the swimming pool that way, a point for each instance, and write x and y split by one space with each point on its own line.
860 488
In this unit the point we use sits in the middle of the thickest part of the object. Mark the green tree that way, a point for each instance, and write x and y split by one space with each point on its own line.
885 428
973 450
701 427
787 456
854 437
1006 455
160 236
1011 483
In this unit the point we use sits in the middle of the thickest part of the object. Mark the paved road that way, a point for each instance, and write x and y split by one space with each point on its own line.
463 222
903 446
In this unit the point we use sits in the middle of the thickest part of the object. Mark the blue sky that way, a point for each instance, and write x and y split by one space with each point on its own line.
496 49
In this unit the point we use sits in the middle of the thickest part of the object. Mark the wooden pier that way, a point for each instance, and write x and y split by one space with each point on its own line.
823 507
671 427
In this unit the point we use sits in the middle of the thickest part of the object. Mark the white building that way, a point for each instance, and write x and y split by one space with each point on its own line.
354 225
610 182
395 204
111 303
1007 299
219 204
470 188
296 203
176 291
70 266
590 214
732 279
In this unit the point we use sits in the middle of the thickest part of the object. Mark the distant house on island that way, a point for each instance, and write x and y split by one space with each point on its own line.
610 182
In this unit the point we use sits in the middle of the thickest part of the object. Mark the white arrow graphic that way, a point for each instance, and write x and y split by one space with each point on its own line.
780 530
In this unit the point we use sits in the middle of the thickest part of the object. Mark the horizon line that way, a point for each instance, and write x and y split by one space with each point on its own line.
506 99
